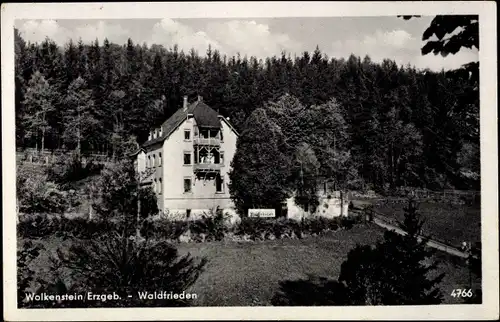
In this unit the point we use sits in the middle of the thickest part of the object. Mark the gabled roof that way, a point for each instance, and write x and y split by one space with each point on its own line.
206 116
203 114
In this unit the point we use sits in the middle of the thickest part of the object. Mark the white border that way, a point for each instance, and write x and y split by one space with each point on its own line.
489 156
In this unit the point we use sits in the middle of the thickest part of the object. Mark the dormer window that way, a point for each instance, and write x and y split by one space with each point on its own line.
160 132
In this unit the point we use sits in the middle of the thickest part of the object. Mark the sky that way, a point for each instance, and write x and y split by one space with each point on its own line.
379 37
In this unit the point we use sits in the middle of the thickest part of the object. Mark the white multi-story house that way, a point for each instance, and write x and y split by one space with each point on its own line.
187 160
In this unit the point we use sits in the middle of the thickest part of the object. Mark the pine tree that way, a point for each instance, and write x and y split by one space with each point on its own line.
407 255
81 123
38 108
386 108
396 271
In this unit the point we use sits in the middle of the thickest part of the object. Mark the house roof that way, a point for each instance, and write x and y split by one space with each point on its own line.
133 154
204 115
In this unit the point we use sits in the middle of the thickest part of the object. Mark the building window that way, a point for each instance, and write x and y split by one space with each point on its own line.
221 158
149 161
159 159
160 187
154 185
221 135
219 184
187 158
187 135
188 213
154 160
187 185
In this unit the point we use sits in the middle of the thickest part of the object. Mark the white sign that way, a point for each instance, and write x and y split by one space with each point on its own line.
261 213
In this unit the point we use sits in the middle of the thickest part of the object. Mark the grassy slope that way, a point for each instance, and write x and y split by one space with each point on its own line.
248 274
244 274
446 222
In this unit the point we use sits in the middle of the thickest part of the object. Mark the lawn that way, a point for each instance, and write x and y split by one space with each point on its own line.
449 223
245 274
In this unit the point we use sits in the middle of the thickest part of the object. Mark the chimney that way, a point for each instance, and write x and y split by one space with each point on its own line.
200 98
185 103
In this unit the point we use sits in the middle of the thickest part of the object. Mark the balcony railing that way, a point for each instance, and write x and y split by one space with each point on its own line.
207 167
206 141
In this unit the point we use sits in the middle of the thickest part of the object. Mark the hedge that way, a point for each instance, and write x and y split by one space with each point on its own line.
202 230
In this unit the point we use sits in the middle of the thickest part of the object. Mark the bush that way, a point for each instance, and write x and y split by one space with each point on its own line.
258 228
213 227
114 263
70 168
255 228
25 255
36 194
116 194
348 222
163 229
37 226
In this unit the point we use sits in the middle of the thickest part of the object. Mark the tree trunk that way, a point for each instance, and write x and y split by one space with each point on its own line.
138 231
43 140
90 204
79 149
341 203
43 132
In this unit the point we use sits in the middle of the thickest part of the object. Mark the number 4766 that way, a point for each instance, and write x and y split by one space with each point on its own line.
458 292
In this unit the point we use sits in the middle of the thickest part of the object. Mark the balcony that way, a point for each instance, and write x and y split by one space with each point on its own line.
206 141
207 167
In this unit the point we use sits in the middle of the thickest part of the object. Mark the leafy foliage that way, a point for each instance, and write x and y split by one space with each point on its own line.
38 105
68 169
36 226
388 125
116 196
36 194
81 123
259 168
25 274
441 26
114 263
212 226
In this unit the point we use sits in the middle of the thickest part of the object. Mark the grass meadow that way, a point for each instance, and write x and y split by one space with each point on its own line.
450 223
248 273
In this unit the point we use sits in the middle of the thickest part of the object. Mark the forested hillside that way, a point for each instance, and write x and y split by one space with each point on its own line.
398 126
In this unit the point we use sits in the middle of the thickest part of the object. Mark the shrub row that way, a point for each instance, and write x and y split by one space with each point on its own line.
36 226
213 228
205 229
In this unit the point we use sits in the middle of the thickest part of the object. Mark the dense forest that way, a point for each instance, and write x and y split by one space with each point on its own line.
399 126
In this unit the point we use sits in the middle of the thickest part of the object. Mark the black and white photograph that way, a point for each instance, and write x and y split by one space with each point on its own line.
251 159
